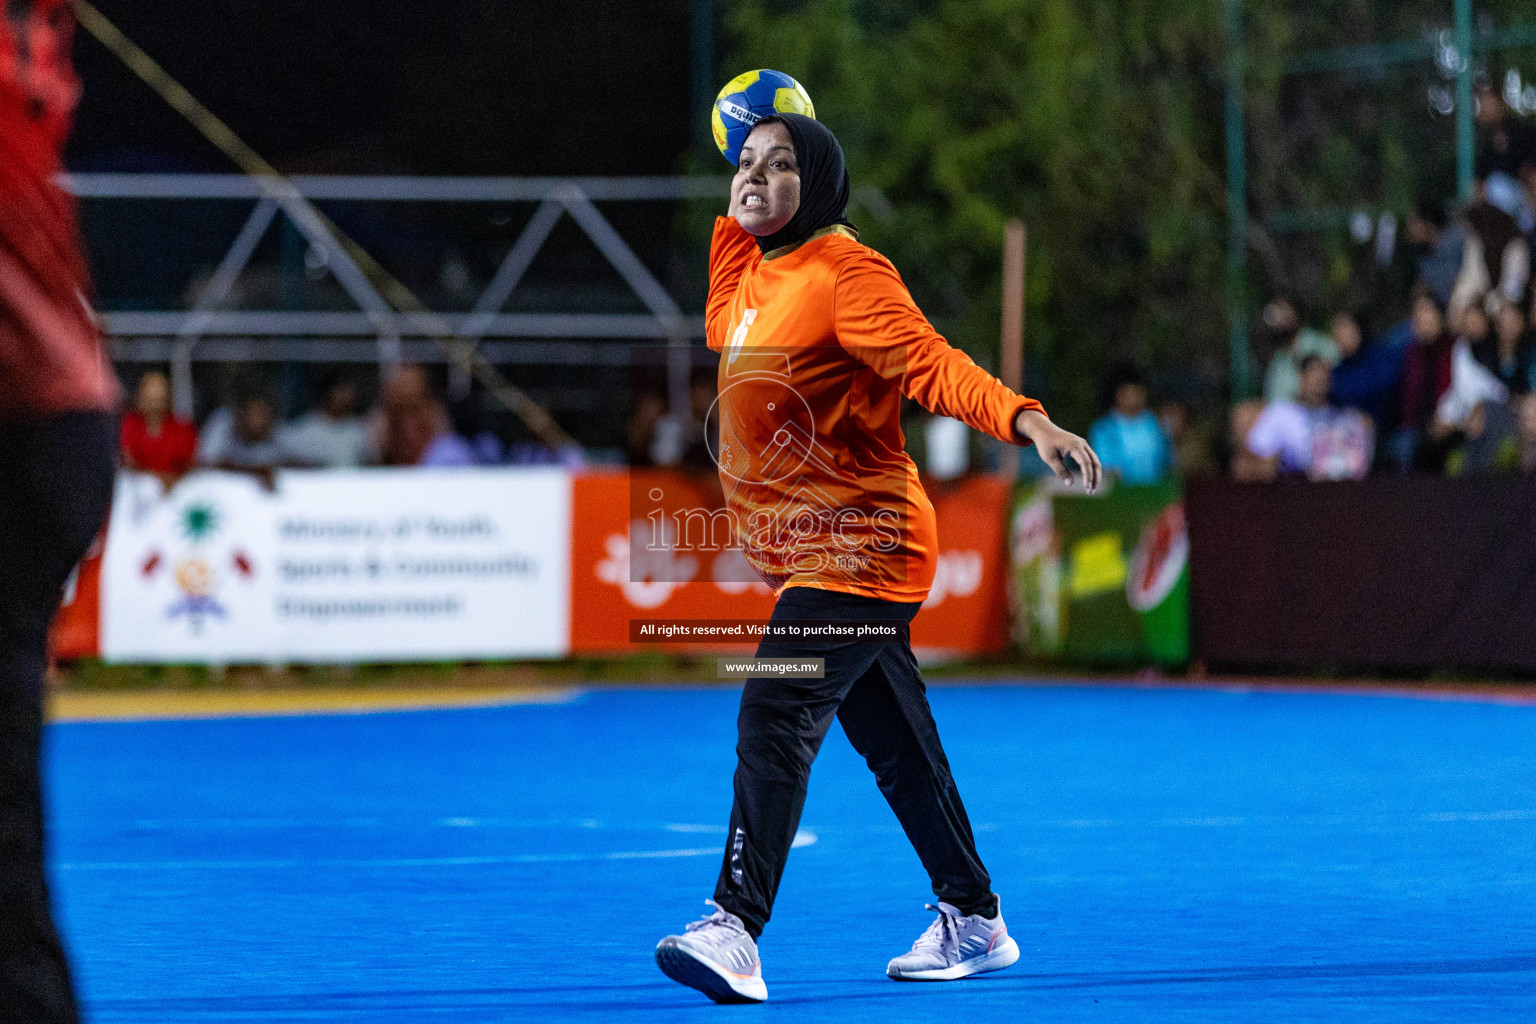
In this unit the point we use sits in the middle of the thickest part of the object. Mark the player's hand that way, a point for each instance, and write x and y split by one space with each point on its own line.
1055 445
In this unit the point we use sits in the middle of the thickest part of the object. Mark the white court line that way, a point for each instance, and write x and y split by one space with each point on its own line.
398 862
192 824
802 839
195 824
1435 818
711 829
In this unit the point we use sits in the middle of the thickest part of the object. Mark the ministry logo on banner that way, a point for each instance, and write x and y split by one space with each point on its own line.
184 575
196 569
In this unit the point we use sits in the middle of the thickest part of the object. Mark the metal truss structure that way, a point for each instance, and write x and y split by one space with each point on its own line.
375 331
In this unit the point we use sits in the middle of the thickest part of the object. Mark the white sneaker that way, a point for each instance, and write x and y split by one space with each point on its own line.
956 947
717 957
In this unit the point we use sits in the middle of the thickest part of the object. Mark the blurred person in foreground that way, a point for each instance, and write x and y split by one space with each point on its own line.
1308 437
411 426
1282 378
821 340
1128 439
332 436
58 449
154 440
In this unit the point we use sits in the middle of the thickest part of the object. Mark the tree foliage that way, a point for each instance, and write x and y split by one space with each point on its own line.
1100 123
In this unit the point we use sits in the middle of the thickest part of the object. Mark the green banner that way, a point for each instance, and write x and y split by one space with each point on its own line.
1101 580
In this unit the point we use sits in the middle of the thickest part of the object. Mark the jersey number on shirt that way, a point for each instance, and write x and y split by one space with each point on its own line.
738 341
739 335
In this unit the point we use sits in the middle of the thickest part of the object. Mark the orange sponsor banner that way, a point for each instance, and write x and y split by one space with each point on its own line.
649 545
76 631
966 612
630 559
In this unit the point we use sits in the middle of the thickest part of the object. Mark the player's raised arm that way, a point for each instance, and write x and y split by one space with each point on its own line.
878 323
731 251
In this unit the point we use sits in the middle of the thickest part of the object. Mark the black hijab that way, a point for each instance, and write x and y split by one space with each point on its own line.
823 180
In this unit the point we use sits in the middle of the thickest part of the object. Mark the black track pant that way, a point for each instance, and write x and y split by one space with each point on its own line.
877 692
55 483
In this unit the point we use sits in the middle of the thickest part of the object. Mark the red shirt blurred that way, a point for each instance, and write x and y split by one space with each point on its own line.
51 355
168 453
1426 378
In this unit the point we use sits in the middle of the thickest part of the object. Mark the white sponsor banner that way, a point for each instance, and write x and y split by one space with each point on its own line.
370 565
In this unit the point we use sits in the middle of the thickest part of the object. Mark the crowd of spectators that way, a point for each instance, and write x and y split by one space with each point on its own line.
1443 390
409 425
1447 386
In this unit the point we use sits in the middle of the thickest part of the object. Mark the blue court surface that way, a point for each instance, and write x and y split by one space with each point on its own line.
1163 855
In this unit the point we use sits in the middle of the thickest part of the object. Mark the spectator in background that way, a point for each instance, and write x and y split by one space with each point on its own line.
1489 442
1506 144
1475 330
1472 382
1246 467
1509 356
1190 443
1496 259
646 410
1282 378
241 436
1128 439
1441 244
153 440
947 449
1308 436
332 436
1525 409
1426 378
467 418
680 439
1527 178
1369 373
412 427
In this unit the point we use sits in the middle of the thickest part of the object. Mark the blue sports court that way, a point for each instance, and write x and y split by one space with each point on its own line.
1163 855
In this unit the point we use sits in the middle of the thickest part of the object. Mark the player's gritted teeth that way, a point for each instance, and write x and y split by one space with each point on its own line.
766 189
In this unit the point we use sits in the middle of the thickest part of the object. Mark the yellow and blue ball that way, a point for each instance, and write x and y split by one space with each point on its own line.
747 99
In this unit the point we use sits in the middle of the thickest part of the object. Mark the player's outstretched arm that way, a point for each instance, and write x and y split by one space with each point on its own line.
1056 444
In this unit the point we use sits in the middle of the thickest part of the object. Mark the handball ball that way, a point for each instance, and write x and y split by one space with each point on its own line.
747 99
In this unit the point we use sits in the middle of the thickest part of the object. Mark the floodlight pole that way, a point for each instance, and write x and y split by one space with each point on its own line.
1237 203
1463 11
1010 362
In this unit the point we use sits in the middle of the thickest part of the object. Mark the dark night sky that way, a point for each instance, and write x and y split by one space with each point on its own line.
382 86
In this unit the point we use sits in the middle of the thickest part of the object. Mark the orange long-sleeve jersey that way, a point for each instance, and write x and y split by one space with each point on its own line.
818 343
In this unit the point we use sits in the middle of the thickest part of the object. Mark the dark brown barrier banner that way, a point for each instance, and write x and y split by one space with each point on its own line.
1398 573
